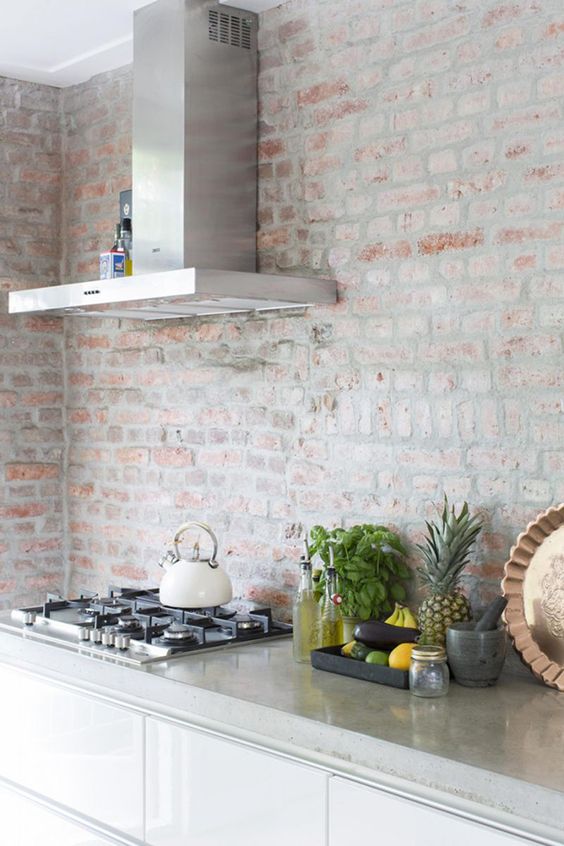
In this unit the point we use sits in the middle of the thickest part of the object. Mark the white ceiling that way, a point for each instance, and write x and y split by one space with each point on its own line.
63 42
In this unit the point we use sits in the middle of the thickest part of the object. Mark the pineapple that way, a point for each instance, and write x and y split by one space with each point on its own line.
445 555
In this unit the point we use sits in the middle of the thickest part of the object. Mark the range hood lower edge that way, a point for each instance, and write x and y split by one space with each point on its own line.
190 292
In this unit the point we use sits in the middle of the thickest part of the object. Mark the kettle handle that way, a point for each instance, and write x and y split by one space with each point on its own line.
184 528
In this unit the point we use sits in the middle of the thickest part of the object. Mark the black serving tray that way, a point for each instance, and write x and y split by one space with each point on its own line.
329 658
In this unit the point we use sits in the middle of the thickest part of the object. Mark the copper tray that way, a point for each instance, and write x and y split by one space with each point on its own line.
534 587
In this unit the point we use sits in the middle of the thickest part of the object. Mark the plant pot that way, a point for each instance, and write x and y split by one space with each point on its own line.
475 658
349 624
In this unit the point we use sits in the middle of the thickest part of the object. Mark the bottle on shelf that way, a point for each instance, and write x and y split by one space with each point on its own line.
117 235
112 262
331 614
306 613
126 240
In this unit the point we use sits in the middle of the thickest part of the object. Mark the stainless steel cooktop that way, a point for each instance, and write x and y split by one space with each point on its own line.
131 626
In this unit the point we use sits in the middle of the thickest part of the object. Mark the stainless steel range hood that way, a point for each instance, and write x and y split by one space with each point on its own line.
194 178
175 293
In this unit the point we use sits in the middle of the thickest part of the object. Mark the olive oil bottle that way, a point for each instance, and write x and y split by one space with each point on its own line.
331 614
306 613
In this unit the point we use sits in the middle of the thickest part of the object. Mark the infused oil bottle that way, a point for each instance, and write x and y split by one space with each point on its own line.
331 614
306 613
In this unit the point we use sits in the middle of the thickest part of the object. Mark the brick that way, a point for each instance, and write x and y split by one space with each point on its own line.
273 238
437 33
374 252
507 12
132 455
292 28
509 39
344 109
406 197
441 242
541 232
479 184
27 472
129 573
271 148
322 91
442 162
379 150
551 86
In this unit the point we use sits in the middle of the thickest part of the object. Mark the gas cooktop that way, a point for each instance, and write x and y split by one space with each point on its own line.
132 626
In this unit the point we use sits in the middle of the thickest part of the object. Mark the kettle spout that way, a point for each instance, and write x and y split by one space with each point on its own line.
168 559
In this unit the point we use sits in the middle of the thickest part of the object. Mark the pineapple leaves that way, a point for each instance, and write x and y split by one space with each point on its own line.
446 551
370 564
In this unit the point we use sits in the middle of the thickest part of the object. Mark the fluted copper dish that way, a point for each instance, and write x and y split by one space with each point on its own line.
534 587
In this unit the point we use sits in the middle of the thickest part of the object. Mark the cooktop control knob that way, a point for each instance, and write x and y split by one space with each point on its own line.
29 618
122 641
108 638
96 635
83 633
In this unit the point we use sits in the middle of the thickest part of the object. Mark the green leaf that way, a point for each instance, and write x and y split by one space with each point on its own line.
398 592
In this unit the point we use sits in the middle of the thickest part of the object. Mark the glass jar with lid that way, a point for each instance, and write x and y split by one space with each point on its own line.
428 673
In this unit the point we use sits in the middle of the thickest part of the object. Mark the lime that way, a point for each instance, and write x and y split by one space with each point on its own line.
377 657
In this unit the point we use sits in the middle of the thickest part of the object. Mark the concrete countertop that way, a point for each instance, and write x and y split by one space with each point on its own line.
497 752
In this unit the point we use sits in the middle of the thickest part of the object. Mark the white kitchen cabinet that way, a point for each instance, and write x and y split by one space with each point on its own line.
72 749
356 811
206 791
24 822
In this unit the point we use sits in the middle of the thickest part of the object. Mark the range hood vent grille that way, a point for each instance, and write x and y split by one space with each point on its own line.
229 29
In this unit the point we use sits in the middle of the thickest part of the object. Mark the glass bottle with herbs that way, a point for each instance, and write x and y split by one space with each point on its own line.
331 614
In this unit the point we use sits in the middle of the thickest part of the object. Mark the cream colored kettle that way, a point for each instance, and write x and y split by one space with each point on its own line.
198 583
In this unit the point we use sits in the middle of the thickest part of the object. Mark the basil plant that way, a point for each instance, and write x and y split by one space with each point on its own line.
371 568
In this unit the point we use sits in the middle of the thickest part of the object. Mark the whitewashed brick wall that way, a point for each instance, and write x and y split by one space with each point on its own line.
413 150
31 360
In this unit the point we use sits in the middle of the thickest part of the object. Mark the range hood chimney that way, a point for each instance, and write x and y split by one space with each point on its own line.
194 136
194 178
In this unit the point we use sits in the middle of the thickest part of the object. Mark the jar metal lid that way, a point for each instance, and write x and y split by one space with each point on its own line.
429 653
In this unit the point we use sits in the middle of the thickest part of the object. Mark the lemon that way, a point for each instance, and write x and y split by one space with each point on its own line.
347 648
400 657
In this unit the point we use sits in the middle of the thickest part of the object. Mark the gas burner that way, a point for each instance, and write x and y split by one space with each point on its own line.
247 625
88 612
221 613
179 633
127 622
111 602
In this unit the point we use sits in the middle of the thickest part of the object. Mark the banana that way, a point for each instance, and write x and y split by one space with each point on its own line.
402 616
409 619
393 618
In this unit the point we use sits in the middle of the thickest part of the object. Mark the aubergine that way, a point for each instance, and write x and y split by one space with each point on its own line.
384 636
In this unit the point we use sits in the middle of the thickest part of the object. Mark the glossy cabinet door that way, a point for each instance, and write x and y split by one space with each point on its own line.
73 749
206 791
368 812
24 823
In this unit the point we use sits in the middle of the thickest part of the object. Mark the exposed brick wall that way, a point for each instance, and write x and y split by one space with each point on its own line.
413 150
31 361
